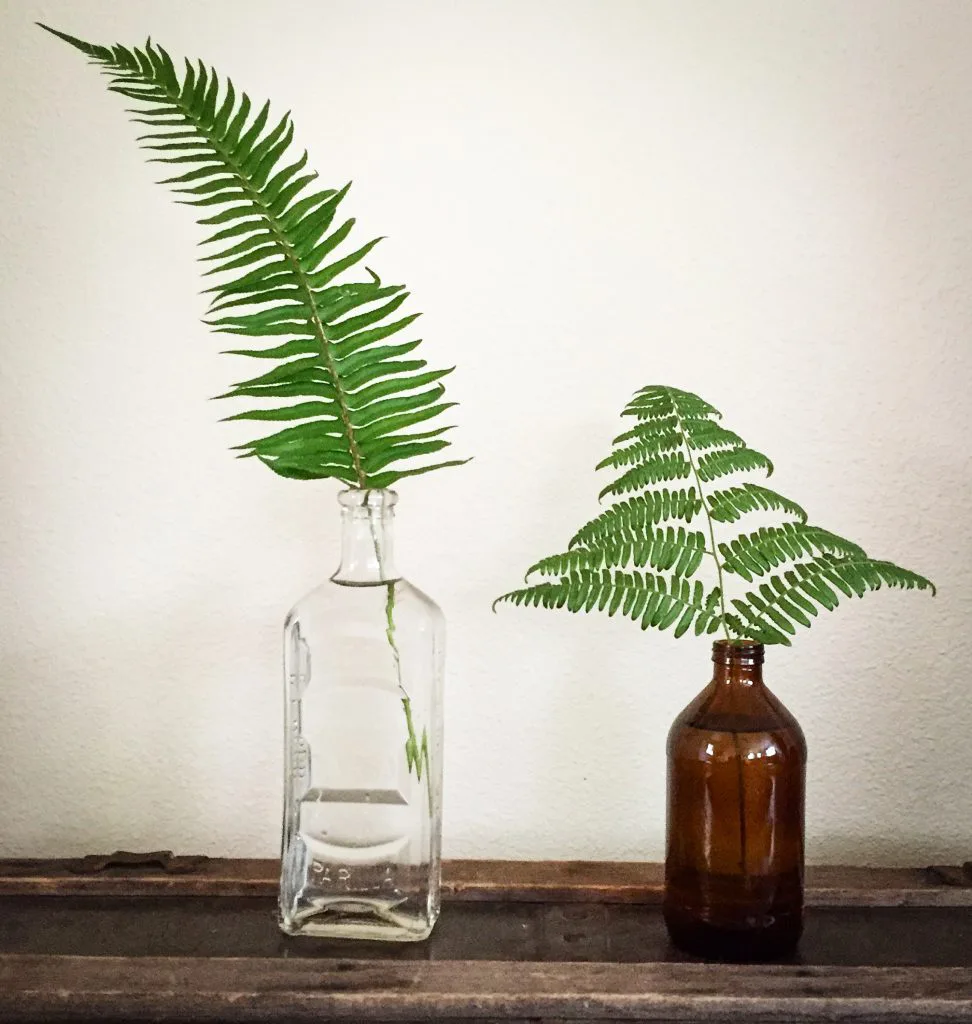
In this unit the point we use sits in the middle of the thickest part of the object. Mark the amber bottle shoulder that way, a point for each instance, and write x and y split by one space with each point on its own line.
737 707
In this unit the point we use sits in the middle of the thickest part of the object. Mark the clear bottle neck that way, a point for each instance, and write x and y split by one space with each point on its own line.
367 537
737 663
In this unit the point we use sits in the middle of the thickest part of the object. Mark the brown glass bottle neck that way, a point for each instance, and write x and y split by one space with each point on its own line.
737 674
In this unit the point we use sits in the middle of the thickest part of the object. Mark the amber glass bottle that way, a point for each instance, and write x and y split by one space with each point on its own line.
736 770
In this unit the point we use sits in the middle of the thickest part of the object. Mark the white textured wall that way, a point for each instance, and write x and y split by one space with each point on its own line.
768 203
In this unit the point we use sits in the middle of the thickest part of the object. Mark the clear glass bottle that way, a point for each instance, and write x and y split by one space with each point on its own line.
363 666
736 778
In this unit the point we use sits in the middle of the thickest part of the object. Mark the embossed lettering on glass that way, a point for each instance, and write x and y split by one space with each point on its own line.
362 810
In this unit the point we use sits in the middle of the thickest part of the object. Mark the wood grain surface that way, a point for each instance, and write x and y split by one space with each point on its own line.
231 989
544 943
565 881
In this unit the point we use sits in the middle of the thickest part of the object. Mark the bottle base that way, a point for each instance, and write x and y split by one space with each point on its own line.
741 944
359 919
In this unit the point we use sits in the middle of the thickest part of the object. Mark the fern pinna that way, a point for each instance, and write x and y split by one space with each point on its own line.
352 398
643 556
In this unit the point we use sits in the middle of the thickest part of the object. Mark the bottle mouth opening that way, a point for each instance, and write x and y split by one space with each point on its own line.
369 500
737 652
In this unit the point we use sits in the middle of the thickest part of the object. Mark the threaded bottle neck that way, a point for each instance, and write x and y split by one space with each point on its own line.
367 537
737 660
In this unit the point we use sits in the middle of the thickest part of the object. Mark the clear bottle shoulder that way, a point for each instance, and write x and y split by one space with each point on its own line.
399 597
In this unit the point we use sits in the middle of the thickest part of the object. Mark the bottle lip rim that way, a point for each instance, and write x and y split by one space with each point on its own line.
737 652
368 498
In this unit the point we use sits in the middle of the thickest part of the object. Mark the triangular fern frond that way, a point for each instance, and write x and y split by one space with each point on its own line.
279 277
801 568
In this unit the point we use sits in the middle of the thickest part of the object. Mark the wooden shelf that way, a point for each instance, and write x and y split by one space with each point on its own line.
517 941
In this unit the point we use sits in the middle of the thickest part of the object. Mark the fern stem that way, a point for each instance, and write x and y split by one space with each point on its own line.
316 322
415 753
303 284
708 517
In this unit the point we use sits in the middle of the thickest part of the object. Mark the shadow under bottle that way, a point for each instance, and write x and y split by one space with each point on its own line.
736 792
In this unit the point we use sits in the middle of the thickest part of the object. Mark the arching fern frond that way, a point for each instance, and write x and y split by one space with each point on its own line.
352 399
795 568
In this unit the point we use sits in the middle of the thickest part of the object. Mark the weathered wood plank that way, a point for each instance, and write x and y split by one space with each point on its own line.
231 989
214 876
492 880
631 882
227 926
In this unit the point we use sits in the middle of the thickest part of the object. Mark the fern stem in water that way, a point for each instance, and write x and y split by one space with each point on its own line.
416 755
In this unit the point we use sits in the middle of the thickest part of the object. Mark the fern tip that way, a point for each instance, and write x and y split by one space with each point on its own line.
101 52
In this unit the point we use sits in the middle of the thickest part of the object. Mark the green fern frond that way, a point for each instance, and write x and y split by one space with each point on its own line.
665 426
280 277
802 568
722 463
731 504
650 469
784 601
656 601
634 454
658 402
704 435
755 554
677 551
633 517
